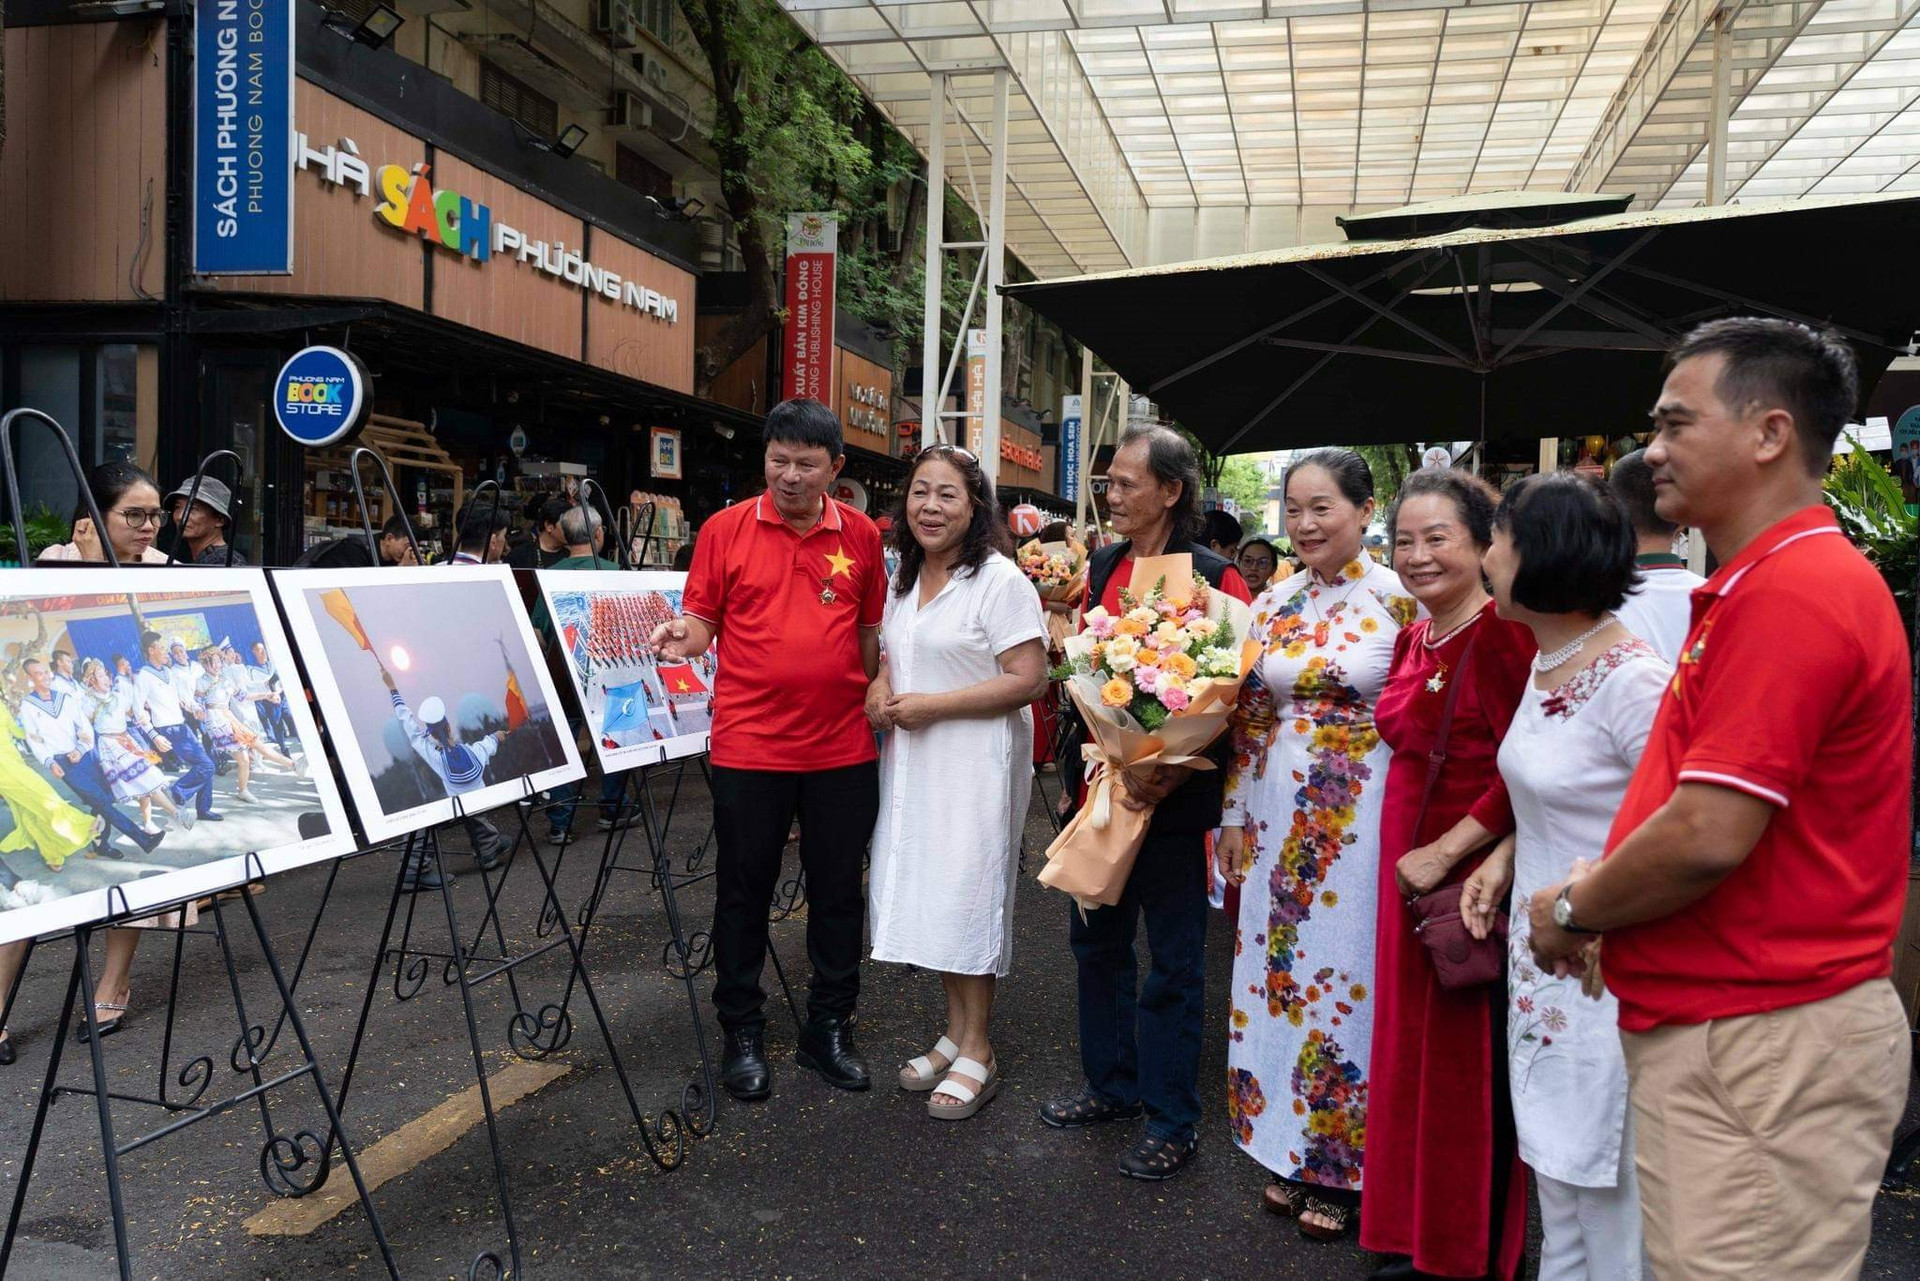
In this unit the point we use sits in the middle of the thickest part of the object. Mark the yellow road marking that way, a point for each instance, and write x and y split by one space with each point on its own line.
426 1136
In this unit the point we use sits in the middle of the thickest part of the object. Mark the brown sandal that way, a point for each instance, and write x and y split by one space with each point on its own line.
1341 1215
1283 1198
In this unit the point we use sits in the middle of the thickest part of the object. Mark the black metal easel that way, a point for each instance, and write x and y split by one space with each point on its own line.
282 1157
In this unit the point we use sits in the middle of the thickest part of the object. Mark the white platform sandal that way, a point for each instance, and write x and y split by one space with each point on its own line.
922 1074
971 1101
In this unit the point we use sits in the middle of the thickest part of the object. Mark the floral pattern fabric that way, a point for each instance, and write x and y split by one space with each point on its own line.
1566 760
1305 784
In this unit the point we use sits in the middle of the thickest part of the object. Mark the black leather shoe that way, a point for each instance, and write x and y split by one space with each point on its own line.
1399 1268
826 1046
6 1049
743 1069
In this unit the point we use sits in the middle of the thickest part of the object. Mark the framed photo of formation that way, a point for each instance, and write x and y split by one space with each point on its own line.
433 686
153 734
640 710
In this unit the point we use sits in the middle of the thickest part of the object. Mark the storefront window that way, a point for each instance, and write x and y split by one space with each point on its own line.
240 418
116 406
49 380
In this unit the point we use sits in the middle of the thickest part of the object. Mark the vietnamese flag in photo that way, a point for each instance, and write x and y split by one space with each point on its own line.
516 702
680 679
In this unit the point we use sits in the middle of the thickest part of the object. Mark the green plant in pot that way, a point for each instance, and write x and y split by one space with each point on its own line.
1869 506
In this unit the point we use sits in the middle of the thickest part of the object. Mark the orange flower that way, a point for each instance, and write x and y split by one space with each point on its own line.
1116 693
1130 627
1151 657
1183 666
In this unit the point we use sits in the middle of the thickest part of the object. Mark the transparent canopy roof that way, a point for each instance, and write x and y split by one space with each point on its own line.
1123 106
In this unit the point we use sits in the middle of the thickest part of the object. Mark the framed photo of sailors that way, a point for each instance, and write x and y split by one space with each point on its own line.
153 733
432 685
640 709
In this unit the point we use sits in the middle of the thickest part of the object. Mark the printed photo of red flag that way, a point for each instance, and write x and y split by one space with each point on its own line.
680 679
516 703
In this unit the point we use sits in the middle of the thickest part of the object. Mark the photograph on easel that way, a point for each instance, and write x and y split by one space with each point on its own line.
149 740
639 709
432 684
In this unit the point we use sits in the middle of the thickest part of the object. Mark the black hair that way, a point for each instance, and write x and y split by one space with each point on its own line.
1632 483
683 559
1810 373
804 421
119 658
1172 460
551 511
1473 500
987 530
149 639
1260 541
109 483
1220 528
1349 471
1574 542
394 527
476 528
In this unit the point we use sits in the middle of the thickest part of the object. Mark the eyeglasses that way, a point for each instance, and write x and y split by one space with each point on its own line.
141 518
942 447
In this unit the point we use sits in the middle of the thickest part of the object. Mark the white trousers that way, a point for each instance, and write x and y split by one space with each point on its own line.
1591 1234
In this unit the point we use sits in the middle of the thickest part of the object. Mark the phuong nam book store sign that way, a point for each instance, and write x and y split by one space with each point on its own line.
242 122
409 203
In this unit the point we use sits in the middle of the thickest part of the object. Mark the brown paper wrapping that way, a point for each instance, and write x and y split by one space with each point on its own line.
1093 856
1061 626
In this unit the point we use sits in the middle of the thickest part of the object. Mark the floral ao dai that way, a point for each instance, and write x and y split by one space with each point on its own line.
1306 783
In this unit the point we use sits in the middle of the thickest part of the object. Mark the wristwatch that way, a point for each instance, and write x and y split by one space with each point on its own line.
1563 913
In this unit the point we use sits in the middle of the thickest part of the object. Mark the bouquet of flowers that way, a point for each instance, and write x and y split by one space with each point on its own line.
1155 685
1059 573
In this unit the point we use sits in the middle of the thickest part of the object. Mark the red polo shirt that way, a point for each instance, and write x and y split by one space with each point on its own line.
1794 686
791 689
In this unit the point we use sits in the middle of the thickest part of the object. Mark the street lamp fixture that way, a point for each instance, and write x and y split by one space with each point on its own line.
373 31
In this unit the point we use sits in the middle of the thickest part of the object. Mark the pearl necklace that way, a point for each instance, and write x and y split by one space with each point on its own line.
1544 662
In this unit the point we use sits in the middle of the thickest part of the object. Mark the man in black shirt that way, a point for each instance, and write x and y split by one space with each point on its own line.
547 546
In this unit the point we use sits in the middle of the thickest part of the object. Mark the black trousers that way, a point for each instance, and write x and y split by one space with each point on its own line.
753 811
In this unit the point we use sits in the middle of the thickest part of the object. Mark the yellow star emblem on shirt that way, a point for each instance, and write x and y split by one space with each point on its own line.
839 563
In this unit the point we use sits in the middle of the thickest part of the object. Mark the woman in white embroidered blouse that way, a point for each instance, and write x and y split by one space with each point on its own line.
1561 562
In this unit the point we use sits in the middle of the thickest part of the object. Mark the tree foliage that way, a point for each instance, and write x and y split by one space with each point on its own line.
1242 480
791 132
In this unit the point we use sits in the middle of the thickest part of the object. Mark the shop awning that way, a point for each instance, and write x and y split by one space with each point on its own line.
1507 332
425 349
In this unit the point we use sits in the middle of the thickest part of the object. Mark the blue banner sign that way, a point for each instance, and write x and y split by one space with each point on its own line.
1070 448
243 137
323 396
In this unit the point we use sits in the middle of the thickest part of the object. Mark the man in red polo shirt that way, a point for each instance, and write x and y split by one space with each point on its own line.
1755 873
793 585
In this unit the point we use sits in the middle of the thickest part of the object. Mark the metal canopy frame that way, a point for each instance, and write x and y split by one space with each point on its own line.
1241 110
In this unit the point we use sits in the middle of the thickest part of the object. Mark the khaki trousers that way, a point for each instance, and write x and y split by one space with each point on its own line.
1760 1140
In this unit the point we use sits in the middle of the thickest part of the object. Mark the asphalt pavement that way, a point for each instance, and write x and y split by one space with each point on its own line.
813 1183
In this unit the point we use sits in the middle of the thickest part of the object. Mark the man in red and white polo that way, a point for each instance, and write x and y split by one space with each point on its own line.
793 586
1755 874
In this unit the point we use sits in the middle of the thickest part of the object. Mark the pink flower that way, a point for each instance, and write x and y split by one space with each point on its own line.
1175 700
1100 626
1146 679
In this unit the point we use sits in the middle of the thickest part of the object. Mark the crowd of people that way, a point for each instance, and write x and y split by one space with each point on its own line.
1558 865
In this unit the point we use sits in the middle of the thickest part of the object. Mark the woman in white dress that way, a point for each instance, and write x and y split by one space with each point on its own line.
1301 835
1561 561
217 692
965 654
123 757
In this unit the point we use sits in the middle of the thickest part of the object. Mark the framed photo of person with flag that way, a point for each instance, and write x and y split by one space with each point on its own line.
433 685
639 709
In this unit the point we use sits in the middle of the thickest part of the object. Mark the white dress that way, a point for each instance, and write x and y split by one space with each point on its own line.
953 796
1566 760
1306 784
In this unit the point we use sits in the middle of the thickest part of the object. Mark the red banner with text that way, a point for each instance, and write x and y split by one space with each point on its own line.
812 241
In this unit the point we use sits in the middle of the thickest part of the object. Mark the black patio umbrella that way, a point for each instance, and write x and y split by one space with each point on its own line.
1506 331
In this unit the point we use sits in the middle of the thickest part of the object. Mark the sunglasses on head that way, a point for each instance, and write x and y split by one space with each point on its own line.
942 447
